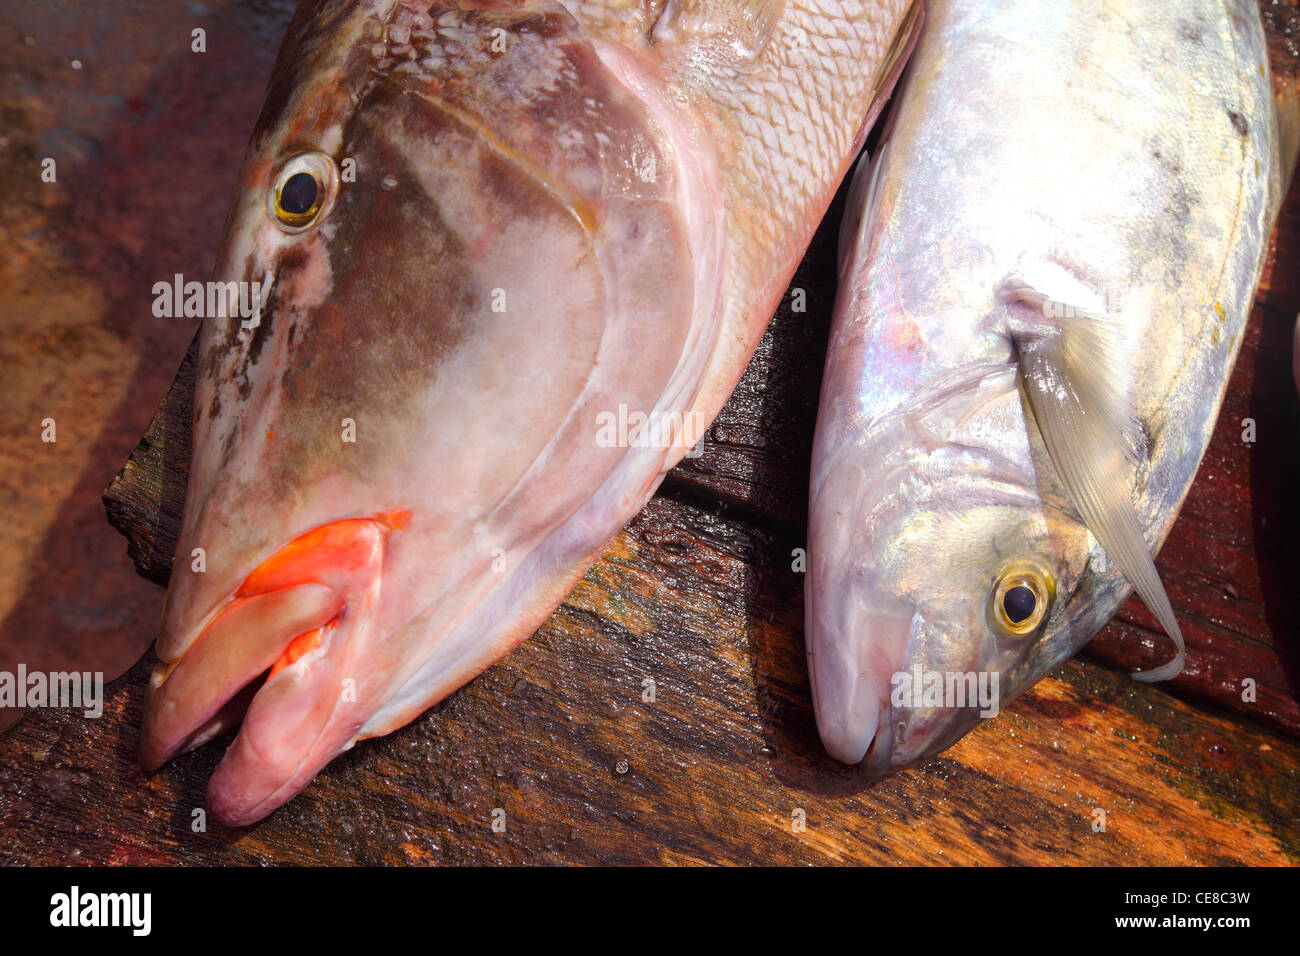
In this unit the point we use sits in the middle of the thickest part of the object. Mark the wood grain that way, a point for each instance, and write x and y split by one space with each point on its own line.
146 499
698 596
559 737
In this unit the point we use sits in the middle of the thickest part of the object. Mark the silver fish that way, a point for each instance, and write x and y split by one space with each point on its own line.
1045 275
489 230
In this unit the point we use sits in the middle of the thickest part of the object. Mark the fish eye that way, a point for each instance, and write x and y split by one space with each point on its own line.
1021 600
303 191
1018 603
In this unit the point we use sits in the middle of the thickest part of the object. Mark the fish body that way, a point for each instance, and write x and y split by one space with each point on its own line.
1045 275
486 228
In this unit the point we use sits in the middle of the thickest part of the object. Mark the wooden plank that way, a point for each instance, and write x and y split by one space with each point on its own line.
713 770
146 499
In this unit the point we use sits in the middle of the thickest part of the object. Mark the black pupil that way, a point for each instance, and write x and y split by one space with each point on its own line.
1019 603
298 195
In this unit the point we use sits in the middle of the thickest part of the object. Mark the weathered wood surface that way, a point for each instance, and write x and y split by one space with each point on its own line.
713 770
147 497
697 594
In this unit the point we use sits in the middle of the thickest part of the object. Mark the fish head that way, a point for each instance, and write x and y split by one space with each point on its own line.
947 572
460 268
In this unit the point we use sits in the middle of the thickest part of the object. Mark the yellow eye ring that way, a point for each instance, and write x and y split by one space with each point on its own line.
1021 600
303 192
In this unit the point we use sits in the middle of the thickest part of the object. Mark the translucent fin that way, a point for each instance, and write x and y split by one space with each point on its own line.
1286 107
860 209
900 50
1071 366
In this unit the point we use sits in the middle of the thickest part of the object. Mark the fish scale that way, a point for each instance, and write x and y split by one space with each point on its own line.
771 176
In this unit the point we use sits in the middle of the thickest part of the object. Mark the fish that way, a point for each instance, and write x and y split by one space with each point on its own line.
1045 271
471 236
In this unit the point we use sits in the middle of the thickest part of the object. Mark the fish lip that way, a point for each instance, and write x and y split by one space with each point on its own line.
899 743
910 734
879 756
296 723
851 660
327 577
174 721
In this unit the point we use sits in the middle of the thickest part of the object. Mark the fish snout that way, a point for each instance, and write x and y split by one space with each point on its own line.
943 687
853 649
889 687
279 655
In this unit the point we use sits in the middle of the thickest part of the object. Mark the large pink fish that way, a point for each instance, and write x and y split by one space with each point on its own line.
488 230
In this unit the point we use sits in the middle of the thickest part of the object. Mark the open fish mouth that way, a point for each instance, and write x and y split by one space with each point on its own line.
294 621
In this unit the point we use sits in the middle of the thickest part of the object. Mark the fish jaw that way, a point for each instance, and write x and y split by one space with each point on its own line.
850 665
866 623
305 615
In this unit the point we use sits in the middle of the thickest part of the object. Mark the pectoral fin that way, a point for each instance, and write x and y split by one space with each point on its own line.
1071 370
1286 107
860 210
